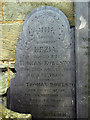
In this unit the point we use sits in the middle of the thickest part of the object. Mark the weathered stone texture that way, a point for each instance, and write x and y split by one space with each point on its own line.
18 11
6 64
5 76
3 101
81 39
0 13
8 40
6 114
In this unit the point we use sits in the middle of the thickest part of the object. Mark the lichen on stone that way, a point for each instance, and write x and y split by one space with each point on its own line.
8 114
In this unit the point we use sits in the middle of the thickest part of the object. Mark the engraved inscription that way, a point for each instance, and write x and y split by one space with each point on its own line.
44 84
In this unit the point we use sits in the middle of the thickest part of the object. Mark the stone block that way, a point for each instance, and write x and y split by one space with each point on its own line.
19 10
8 40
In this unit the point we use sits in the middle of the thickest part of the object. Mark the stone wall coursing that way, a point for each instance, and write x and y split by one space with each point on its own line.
18 11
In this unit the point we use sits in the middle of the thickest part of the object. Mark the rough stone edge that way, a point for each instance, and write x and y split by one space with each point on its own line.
81 9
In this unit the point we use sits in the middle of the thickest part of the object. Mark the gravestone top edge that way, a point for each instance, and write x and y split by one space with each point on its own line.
47 8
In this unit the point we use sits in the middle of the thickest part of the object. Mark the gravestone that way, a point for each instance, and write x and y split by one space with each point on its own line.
45 73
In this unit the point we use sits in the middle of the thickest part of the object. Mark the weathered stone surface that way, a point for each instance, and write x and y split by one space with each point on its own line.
3 64
6 114
44 84
11 64
8 40
5 76
7 64
11 75
3 101
19 10
3 82
81 12
0 13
